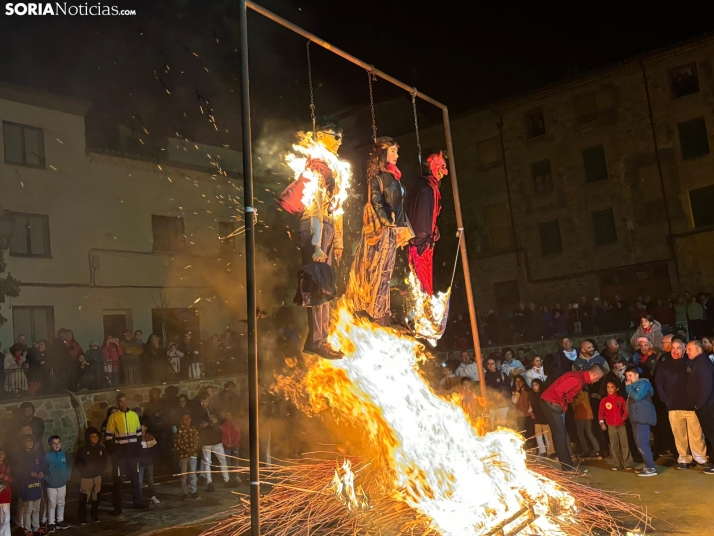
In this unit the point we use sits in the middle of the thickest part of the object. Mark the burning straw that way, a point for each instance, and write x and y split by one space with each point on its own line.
302 501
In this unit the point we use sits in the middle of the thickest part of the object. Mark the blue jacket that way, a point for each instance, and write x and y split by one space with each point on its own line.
639 403
28 486
58 470
672 378
699 387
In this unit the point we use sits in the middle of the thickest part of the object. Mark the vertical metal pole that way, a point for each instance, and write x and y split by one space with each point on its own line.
464 254
250 275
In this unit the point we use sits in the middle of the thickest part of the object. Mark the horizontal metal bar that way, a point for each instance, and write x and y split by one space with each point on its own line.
312 37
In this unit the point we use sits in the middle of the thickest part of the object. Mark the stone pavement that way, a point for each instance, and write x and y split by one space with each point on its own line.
171 512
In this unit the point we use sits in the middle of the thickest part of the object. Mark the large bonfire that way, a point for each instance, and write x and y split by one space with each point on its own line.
428 469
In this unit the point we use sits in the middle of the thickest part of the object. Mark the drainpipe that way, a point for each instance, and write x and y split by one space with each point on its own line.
508 189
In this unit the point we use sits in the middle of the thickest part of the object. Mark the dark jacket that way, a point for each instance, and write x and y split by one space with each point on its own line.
91 460
208 435
386 196
672 379
29 487
699 386
420 206
640 407
537 410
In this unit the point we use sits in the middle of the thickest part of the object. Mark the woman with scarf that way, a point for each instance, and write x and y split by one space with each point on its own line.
385 228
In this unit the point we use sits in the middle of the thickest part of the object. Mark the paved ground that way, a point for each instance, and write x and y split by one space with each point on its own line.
680 500
193 515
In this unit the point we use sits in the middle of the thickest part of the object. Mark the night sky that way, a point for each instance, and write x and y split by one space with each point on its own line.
153 70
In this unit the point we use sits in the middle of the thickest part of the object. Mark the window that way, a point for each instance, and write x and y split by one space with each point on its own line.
228 245
693 138
24 145
30 235
684 80
550 241
542 178
585 108
535 125
604 227
702 202
488 152
36 323
498 233
168 233
594 162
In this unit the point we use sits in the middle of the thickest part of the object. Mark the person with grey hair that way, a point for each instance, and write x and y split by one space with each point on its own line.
700 389
672 385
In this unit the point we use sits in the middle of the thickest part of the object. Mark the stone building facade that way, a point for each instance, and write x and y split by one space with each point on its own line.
596 186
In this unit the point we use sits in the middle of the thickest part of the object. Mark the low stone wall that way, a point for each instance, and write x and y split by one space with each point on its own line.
69 415
551 346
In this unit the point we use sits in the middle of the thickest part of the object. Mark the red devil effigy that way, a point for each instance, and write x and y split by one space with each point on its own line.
423 205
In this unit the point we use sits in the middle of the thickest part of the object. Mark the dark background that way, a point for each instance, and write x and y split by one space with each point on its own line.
153 70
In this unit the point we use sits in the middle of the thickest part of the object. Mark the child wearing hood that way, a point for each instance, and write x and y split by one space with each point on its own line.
5 495
91 461
56 477
29 470
641 411
92 375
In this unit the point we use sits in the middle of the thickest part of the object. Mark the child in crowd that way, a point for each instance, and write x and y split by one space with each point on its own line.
174 357
146 460
56 477
91 461
521 399
583 416
612 416
641 411
29 470
230 437
544 438
5 495
187 446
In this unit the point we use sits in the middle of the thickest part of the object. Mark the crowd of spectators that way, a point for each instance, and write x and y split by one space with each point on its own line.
64 364
587 403
526 322
176 435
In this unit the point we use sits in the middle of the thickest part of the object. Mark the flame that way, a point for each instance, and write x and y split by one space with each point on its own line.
308 149
344 489
426 313
432 458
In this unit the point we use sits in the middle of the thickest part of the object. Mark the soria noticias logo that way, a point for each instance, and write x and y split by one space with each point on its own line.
62 8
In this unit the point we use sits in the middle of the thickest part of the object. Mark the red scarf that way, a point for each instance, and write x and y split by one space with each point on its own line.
394 170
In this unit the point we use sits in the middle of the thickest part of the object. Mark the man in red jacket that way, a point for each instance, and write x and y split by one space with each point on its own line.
554 403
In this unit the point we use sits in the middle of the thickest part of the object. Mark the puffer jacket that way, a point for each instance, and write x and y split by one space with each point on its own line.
655 335
639 403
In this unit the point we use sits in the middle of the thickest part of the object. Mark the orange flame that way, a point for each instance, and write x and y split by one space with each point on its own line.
427 313
433 457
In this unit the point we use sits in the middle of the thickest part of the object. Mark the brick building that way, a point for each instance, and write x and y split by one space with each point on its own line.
595 186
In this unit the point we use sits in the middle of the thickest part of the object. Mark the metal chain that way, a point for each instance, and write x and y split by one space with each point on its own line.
370 77
312 97
416 123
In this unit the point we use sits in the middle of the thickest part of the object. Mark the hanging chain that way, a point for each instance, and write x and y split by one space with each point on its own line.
312 97
416 123
370 77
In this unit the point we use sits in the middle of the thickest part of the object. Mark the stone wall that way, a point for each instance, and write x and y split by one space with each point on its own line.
69 415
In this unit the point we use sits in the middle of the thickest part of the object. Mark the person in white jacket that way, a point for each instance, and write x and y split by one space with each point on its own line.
15 364
467 368
536 371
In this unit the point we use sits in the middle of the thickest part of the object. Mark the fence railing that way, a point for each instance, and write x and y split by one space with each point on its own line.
130 370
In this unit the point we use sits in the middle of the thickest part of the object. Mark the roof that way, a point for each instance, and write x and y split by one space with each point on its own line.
43 99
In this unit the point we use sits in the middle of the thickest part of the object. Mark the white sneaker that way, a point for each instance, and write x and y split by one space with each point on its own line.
154 500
